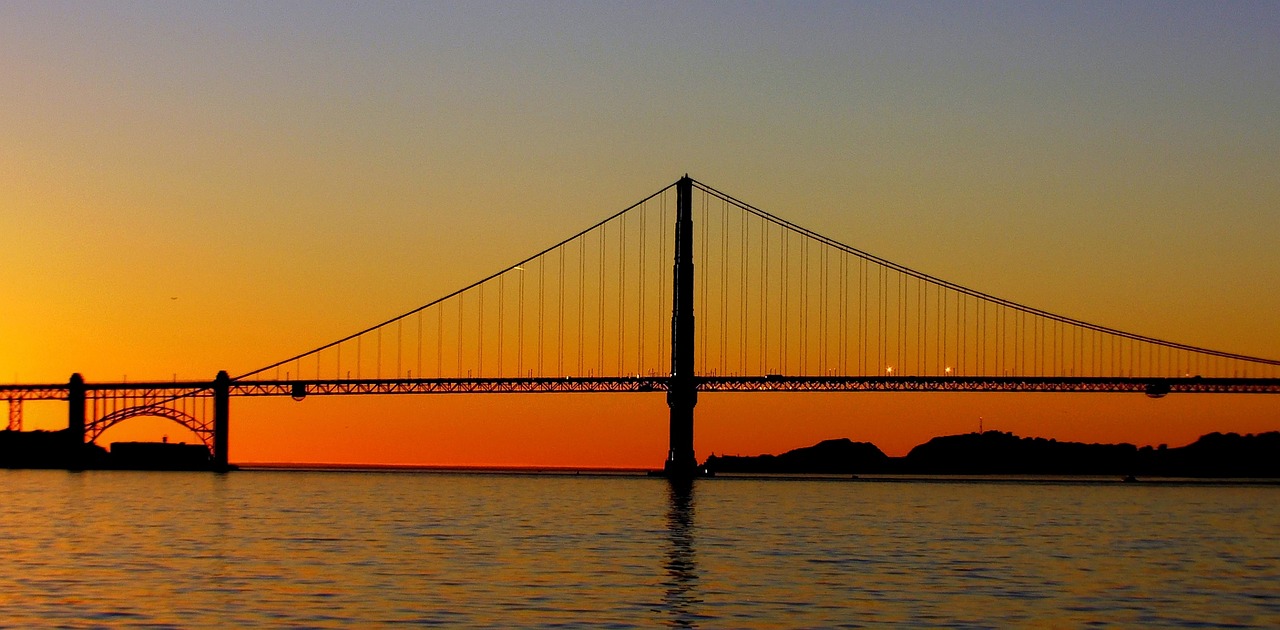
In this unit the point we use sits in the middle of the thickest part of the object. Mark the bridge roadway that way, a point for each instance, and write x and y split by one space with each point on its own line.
159 390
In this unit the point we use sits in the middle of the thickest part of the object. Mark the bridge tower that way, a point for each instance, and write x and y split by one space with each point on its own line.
682 392
75 408
221 419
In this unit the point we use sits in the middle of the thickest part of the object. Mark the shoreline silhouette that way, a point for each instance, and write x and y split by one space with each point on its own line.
1213 455
60 450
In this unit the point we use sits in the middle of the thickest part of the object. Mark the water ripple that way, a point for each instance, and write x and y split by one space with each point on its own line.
330 550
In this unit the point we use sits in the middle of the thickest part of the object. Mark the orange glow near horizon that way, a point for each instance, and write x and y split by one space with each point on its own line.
629 430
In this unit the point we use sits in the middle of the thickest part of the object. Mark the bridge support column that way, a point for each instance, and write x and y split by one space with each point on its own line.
682 392
75 409
75 422
15 413
221 419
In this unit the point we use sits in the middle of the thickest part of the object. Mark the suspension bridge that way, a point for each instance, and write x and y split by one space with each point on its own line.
689 290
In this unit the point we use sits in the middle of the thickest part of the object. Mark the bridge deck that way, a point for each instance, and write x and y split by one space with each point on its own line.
770 383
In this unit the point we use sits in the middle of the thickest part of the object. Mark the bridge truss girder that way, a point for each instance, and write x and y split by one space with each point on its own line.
187 403
1153 387
55 391
299 389
150 394
1149 386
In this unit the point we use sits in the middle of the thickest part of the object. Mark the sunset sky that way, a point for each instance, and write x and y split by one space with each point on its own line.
191 187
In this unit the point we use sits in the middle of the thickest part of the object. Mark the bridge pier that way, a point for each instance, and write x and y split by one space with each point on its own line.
15 413
221 419
75 409
682 391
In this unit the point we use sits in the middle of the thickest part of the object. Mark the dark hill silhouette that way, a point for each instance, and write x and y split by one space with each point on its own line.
842 456
1217 455
997 453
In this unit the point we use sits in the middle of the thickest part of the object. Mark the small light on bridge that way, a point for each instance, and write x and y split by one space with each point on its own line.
948 370
889 370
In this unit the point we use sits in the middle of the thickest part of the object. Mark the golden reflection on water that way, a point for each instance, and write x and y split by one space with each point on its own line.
681 597
331 549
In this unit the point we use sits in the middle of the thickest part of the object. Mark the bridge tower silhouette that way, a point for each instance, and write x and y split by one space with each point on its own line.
682 390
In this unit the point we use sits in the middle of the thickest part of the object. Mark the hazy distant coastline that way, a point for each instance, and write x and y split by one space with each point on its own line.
1217 455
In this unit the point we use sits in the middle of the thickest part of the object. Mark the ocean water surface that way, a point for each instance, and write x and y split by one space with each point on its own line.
343 549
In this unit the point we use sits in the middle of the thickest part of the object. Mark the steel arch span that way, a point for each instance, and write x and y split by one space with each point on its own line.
202 429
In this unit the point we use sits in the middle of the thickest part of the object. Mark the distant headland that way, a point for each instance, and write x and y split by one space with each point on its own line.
1217 455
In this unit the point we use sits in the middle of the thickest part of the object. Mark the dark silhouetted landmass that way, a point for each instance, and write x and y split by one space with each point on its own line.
836 457
160 456
59 449
47 449
996 453
1217 455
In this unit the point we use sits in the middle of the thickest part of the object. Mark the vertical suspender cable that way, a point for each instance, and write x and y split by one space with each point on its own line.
502 298
804 305
822 311
604 229
520 325
920 327
582 303
622 291
560 291
764 296
842 304
965 342
461 298
843 307
945 361
982 338
703 267
783 304
863 282
742 301
904 310
542 290
882 317
663 363
724 285
640 267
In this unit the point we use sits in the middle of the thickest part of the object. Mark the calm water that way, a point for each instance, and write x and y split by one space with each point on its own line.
341 549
